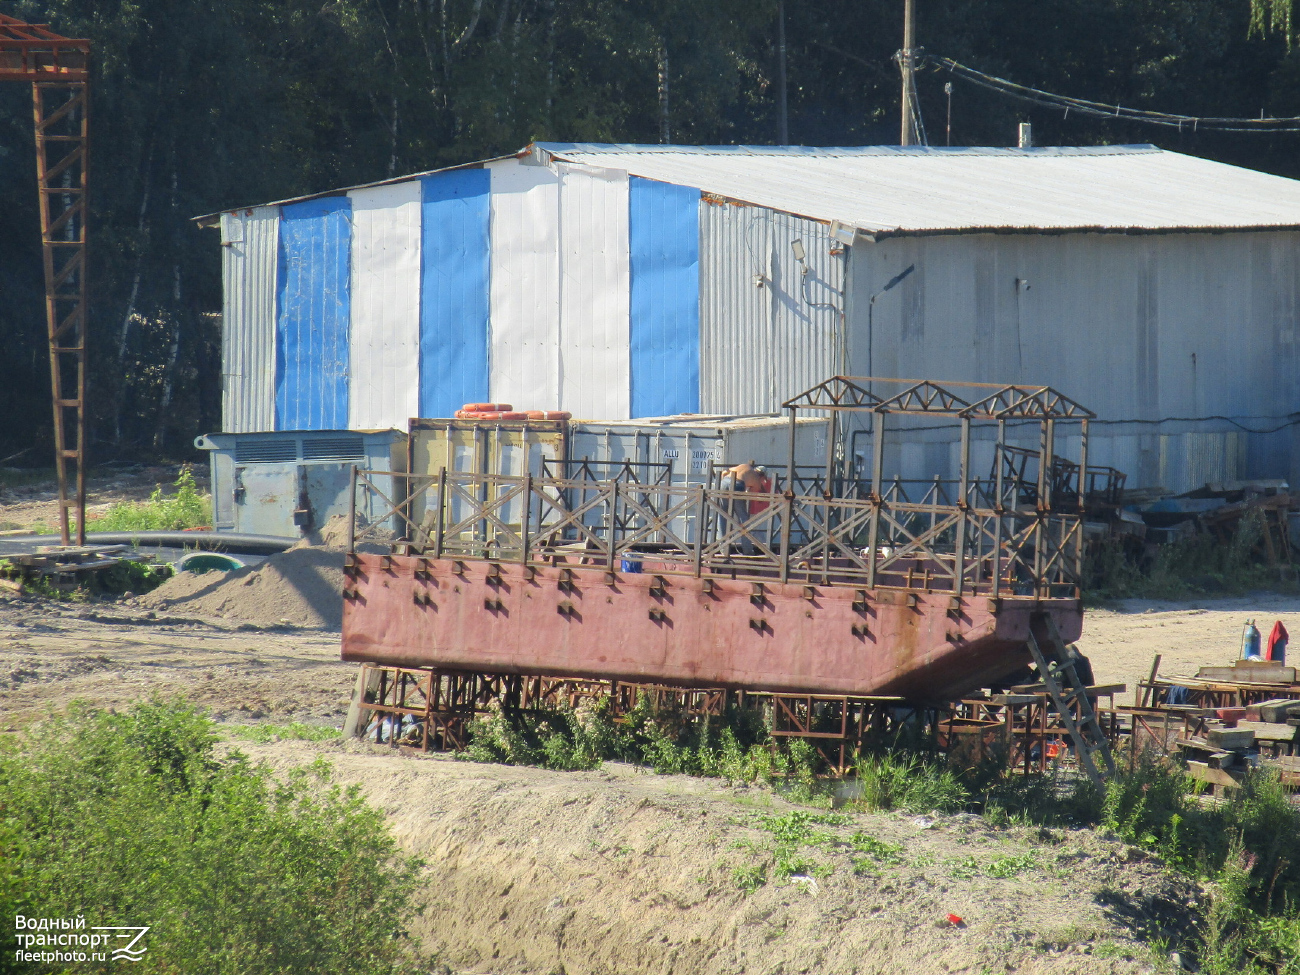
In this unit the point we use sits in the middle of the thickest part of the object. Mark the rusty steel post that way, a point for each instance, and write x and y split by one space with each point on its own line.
959 556
1082 506
700 521
998 506
526 518
442 493
789 467
877 467
352 512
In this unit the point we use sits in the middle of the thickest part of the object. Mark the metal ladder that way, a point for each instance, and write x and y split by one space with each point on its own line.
1056 668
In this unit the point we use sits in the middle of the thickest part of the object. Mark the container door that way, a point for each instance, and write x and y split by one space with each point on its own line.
265 497
327 494
223 490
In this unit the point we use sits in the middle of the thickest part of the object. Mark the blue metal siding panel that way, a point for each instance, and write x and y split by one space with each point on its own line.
454 292
664 234
313 311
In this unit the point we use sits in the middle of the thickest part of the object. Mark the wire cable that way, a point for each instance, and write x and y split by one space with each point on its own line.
1091 109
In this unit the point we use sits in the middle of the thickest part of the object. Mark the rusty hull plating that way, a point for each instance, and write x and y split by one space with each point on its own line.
581 621
830 584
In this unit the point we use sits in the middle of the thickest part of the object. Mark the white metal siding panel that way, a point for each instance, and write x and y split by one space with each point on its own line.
767 330
525 300
1159 334
385 352
250 241
735 308
594 285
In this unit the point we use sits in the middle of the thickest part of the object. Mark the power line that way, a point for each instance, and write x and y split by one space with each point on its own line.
1093 109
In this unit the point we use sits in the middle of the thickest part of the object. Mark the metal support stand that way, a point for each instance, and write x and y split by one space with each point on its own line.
59 71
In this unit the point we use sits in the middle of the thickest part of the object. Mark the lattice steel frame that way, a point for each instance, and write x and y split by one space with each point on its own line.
59 71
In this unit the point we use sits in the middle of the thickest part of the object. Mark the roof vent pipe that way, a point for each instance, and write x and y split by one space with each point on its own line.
1026 136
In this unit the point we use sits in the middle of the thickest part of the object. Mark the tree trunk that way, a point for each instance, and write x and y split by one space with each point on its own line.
665 132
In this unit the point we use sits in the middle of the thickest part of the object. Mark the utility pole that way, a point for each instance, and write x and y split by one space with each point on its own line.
907 64
783 127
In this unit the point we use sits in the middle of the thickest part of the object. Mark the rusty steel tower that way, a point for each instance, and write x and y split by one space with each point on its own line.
58 69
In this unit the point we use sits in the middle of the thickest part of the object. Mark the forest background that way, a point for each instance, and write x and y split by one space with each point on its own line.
202 106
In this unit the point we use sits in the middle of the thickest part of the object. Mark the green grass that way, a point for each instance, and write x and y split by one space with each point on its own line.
263 734
134 819
186 508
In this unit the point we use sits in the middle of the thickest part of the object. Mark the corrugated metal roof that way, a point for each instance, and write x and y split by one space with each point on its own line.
884 190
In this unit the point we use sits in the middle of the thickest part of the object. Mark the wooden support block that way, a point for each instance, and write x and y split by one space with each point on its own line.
1215 776
1230 738
1266 731
1274 710
1222 760
1258 672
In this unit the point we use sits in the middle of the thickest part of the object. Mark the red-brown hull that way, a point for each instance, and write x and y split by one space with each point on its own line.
571 621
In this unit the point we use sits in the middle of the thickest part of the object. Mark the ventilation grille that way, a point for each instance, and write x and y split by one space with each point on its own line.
265 451
334 448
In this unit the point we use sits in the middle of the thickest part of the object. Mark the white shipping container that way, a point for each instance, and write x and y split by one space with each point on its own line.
695 444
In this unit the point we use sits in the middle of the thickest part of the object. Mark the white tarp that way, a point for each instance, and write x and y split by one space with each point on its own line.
524 287
595 362
385 348
560 290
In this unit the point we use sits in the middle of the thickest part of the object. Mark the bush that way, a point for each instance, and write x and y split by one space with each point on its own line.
735 746
187 508
909 782
133 819
1200 564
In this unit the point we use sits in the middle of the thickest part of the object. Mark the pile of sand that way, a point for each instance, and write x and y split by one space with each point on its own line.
302 586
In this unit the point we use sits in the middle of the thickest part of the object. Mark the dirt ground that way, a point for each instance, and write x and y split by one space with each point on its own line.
29 502
620 871
1122 640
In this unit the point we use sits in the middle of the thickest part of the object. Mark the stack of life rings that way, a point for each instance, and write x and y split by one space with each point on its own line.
504 411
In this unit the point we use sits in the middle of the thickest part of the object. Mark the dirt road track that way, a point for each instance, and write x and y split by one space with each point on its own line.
54 653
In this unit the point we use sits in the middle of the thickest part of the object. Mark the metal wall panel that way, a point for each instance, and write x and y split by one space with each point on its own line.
1175 340
524 289
454 292
595 371
250 242
664 241
385 345
312 312
768 330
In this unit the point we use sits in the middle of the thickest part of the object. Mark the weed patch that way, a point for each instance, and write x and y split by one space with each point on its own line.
186 508
263 734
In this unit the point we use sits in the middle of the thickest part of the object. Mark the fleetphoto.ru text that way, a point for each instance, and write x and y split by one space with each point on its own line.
68 940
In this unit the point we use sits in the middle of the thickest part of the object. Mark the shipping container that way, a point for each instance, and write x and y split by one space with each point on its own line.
694 446
292 482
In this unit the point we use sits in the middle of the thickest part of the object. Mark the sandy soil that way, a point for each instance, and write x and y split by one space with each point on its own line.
619 871
1122 641
54 653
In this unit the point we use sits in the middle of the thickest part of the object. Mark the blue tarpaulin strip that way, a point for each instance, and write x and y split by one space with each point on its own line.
664 232
454 291
313 306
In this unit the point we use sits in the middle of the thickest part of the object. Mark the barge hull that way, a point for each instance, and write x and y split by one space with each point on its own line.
680 630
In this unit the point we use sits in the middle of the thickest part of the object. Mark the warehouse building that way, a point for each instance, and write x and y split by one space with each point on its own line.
628 281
